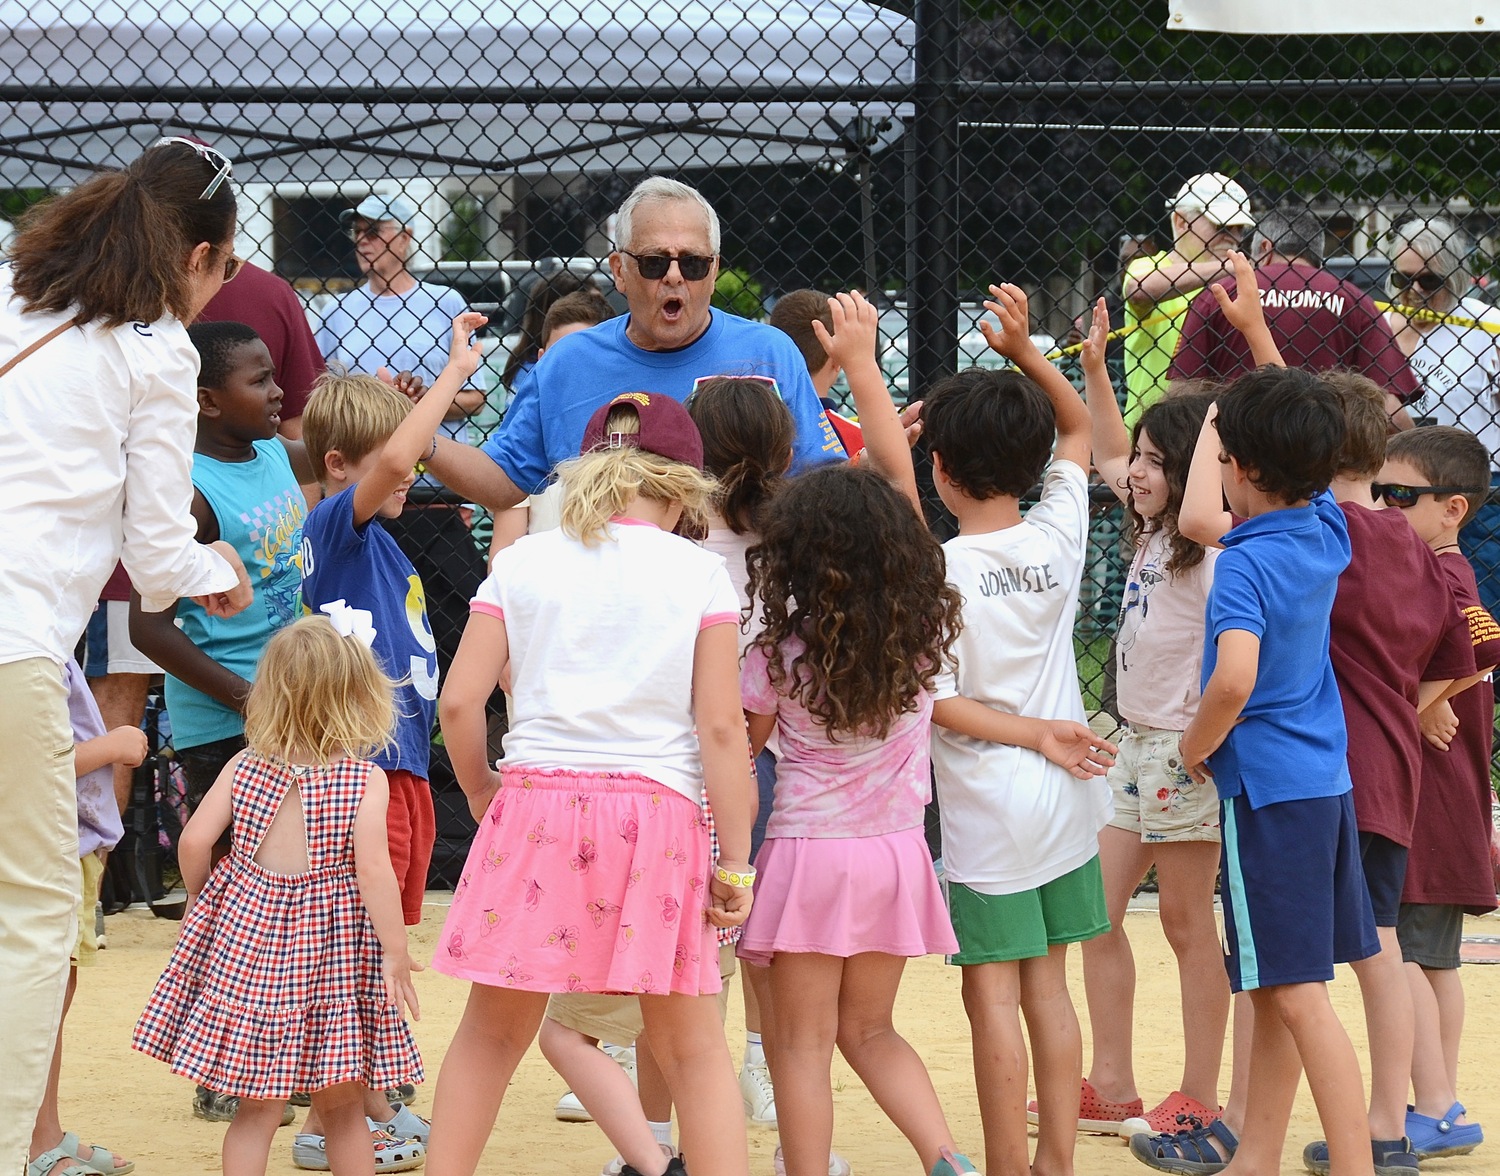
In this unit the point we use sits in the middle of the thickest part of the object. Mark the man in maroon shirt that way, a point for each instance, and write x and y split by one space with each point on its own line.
1317 321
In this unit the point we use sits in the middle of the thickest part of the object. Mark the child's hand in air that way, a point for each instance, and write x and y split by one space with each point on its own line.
1439 725
465 351
855 330
1074 746
1097 340
395 972
1009 305
1244 310
728 906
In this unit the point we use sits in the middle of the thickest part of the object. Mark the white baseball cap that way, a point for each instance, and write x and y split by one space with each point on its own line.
376 207
1216 196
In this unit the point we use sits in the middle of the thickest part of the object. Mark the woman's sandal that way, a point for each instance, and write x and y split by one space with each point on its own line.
45 1163
101 1160
1190 1152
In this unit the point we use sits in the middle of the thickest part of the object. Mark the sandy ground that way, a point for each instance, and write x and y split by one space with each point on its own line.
138 1108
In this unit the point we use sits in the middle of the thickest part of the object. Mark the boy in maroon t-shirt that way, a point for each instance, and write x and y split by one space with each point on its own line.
1439 477
1390 665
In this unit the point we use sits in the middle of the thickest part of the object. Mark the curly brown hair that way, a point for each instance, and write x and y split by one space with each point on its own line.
845 566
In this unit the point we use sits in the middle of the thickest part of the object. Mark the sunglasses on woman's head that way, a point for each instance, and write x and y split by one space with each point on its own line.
1427 281
209 155
1403 497
654 266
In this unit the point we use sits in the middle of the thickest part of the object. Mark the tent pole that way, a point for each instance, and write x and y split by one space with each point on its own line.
932 194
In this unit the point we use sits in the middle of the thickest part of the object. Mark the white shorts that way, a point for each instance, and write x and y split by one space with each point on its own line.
1154 795
107 643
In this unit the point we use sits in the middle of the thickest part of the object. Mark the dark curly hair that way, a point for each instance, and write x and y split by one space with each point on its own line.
994 431
216 344
845 565
1285 427
747 444
1174 423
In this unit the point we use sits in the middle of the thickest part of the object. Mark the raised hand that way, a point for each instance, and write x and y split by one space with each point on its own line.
1013 339
855 330
465 352
1097 339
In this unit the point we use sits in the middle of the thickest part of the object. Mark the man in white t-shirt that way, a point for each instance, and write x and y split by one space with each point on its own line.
1019 783
395 322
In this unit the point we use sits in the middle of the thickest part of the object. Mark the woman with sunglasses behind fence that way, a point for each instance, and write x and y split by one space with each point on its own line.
98 408
1457 360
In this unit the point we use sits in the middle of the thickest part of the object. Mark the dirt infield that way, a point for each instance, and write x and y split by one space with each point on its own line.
136 1107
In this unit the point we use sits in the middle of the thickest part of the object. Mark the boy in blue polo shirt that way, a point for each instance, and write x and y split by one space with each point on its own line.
1270 730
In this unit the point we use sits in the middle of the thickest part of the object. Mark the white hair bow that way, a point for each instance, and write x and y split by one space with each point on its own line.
350 622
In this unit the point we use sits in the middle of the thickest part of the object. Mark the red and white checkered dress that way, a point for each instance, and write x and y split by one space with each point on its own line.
274 984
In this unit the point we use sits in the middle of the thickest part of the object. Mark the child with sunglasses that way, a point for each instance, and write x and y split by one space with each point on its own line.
1438 479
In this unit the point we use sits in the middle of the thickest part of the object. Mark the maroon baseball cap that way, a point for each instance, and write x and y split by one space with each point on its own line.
666 429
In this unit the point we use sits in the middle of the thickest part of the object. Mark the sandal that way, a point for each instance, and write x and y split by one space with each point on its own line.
1433 1138
48 1160
391 1154
405 1124
1096 1114
1189 1152
100 1160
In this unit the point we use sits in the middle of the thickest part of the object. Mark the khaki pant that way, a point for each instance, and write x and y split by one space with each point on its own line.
38 887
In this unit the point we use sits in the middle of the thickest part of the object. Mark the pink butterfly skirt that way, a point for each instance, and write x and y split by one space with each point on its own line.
584 882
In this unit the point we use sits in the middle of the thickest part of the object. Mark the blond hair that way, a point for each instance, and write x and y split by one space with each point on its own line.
599 485
318 697
353 414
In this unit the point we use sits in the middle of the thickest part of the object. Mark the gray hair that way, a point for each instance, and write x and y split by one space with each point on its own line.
1440 244
1292 232
660 190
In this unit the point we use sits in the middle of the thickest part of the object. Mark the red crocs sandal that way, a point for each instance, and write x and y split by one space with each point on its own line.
1096 1115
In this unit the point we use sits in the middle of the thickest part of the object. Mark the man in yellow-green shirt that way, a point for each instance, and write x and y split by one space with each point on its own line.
1210 214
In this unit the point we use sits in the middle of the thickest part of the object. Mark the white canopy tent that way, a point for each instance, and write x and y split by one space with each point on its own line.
303 91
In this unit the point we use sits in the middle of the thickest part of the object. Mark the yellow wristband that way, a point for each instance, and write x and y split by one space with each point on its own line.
740 881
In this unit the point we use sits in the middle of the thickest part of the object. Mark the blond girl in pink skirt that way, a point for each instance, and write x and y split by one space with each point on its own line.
591 869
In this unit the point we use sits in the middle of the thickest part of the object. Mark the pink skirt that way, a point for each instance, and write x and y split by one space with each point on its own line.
841 896
584 882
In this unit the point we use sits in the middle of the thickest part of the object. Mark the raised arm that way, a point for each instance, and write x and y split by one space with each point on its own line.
1173 279
1202 517
1111 439
852 345
413 438
1013 340
1245 313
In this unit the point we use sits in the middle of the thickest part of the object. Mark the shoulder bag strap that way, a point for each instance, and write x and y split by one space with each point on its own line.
40 343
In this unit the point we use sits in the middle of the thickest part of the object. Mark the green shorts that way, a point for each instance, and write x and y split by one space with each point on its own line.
993 928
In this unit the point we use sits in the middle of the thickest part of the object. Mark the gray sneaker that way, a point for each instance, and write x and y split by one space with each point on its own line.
221 1108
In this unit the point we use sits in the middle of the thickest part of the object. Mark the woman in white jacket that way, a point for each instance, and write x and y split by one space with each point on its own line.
98 413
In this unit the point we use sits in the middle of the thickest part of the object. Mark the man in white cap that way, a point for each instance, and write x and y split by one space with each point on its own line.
1210 214
395 322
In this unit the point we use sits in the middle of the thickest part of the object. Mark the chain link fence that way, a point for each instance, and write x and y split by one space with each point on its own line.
917 152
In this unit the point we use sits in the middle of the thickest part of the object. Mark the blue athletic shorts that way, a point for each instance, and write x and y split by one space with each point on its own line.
1295 901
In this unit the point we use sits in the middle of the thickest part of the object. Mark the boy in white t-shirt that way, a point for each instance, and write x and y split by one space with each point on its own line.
1019 774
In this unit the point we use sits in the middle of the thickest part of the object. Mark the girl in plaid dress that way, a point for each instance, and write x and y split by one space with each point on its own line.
292 971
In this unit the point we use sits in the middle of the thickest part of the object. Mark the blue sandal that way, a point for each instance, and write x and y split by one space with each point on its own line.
1189 1152
1433 1138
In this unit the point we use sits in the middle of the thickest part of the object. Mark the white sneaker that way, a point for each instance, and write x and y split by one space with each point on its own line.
616 1166
570 1110
758 1095
837 1165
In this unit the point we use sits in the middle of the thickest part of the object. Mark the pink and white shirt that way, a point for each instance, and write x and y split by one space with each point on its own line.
855 787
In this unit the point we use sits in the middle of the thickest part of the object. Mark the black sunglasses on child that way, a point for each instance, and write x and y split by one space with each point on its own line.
1402 497
1427 281
654 266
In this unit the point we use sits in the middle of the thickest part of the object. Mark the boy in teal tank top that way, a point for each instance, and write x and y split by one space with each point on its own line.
246 492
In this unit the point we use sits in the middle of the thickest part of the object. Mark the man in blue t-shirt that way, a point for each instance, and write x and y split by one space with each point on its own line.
1270 730
665 265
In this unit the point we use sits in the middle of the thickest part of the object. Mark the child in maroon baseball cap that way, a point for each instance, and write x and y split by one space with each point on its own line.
592 869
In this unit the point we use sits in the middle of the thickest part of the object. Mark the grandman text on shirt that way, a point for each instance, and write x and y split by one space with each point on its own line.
1029 578
1303 300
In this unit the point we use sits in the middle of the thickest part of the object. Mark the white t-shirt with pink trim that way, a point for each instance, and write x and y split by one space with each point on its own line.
601 649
